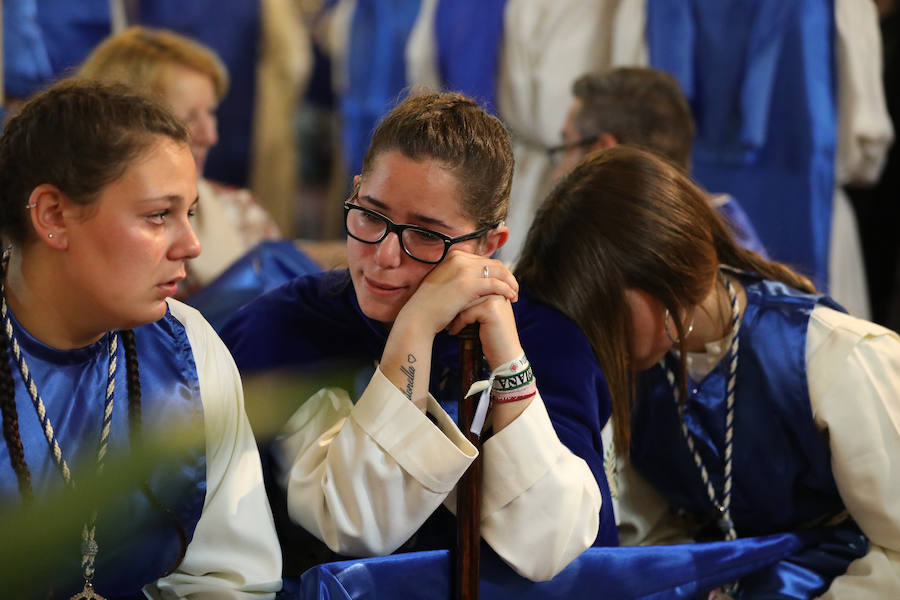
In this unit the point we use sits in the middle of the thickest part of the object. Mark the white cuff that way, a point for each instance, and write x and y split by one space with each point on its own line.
436 456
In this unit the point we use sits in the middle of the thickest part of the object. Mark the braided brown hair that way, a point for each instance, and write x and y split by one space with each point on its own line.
134 426
10 413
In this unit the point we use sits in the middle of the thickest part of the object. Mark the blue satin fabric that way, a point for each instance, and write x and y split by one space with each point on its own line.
71 30
26 62
266 266
232 29
782 476
741 228
315 320
138 543
657 572
468 35
760 80
376 70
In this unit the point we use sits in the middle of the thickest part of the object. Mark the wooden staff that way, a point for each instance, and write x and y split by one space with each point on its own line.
468 492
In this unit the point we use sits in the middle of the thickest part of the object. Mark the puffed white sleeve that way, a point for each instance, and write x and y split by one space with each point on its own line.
853 368
364 477
540 503
234 552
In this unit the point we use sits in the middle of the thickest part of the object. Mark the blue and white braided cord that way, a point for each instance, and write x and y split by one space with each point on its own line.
729 401
89 545
724 507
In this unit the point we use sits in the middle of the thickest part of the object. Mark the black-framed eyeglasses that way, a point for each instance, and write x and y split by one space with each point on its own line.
419 243
555 152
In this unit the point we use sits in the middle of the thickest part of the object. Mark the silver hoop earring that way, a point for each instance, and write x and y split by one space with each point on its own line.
690 328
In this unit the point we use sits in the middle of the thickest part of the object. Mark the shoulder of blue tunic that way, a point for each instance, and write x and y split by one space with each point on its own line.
170 393
169 334
773 293
167 357
569 376
194 334
544 329
775 331
309 319
741 226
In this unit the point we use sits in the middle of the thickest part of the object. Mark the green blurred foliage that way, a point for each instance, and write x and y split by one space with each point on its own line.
32 532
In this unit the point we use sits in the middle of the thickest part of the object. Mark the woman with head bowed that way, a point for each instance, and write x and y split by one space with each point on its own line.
749 402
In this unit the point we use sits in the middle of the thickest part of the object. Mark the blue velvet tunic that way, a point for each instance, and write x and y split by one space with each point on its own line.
782 477
316 320
138 542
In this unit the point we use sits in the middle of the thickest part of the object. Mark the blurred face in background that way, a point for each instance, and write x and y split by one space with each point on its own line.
571 151
191 96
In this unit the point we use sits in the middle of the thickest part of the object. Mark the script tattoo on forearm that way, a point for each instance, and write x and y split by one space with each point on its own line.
410 372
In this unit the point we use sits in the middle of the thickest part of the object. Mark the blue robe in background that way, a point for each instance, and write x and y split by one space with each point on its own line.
376 71
760 80
26 61
468 36
782 479
739 224
70 30
64 32
138 542
232 29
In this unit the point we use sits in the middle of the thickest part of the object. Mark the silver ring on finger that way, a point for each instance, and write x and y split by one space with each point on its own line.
485 272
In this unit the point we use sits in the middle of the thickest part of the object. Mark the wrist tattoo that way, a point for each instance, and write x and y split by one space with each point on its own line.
410 372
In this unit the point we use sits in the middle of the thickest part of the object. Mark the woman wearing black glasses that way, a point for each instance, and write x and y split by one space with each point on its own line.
425 217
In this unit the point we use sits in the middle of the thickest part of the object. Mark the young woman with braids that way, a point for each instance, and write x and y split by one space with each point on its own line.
424 218
96 190
750 403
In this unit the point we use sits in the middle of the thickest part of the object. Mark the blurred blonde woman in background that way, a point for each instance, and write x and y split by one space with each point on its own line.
191 80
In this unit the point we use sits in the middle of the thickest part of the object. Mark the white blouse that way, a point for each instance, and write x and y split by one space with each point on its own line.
364 477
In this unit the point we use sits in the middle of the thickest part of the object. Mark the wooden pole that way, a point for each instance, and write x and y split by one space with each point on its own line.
468 492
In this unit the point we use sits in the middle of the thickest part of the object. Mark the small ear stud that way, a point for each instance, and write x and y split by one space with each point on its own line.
32 205
50 235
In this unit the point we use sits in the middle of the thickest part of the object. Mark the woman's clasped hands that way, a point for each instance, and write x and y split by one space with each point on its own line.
467 288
